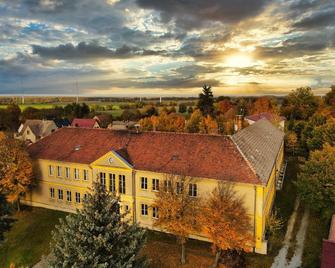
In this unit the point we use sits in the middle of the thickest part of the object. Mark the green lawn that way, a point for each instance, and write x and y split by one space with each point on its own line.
29 237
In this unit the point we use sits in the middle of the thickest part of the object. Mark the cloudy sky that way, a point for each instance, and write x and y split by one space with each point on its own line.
166 47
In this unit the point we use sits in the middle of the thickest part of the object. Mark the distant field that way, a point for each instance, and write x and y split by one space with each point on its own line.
37 106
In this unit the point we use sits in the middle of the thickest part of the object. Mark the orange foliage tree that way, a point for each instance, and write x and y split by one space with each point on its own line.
224 220
224 106
263 105
177 210
16 173
164 122
208 125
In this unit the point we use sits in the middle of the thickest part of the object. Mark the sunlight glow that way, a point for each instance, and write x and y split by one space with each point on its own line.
239 61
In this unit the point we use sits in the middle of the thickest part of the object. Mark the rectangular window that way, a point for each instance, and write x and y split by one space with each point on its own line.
52 192
102 176
167 186
68 196
122 184
112 182
76 173
51 170
179 187
77 197
85 174
155 212
85 197
193 190
155 184
60 194
144 183
59 171
144 210
67 172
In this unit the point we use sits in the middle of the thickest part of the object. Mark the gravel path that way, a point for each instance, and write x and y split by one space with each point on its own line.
280 261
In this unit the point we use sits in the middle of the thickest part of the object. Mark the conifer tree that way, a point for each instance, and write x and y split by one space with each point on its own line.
98 235
206 101
5 217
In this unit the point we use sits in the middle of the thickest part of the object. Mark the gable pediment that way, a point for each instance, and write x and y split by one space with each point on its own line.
112 159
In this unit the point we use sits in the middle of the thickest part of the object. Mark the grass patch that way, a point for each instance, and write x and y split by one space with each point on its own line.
29 237
317 230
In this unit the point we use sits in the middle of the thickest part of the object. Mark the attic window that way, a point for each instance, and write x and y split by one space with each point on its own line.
175 157
77 148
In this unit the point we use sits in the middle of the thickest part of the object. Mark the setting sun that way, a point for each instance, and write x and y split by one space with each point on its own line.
239 61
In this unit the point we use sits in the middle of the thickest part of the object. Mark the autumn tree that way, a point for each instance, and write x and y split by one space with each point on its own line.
164 122
330 96
300 104
177 208
206 101
16 174
225 221
193 124
264 105
98 235
291 141
208 125
316 181
224 106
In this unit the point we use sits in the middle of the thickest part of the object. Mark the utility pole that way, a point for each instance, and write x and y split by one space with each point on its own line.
77 92
22 98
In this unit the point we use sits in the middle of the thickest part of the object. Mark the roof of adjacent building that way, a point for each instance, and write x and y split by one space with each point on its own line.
83 123
62 122
328 248
40 128
268 116
197 155
260 144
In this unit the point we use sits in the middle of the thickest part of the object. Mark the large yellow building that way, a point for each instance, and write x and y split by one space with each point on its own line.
133 164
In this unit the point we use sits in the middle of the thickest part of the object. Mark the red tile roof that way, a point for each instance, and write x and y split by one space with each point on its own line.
328 248
84 123
197 155
268 116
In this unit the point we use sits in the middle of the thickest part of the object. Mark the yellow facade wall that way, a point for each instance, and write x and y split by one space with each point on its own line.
258 199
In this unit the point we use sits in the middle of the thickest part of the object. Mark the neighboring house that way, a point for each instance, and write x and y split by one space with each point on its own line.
133 165
33 130
276 119
328 248
63 122
121 125
85 123
103 120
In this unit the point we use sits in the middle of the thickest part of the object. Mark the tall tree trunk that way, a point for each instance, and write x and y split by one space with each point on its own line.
18 204
217 258
183 257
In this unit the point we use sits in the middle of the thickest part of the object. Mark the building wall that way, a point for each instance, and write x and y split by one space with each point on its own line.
258 199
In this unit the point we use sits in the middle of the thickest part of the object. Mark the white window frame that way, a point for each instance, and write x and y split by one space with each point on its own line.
144 210
179 187
112 182
102 177
51 170
155 185
68 196
193 190
60 194
155 213
67 172
122 184
144 183
86 176
77 195
52 192
59 171
76 174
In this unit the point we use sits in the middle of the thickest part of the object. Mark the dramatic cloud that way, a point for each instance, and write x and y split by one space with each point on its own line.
90 51
143 47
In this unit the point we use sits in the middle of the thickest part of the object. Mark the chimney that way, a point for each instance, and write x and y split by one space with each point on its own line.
238 124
